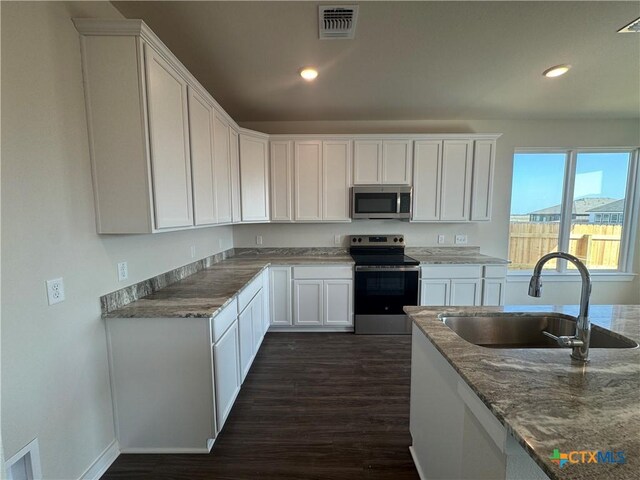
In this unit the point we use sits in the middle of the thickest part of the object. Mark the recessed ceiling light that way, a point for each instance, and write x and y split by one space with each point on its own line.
556 71
308 74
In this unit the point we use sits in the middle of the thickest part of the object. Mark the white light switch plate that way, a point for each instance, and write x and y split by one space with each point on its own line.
55 291
258 239
336 240
193 251
440 238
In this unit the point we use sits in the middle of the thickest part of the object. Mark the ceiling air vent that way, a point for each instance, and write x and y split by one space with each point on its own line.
337 21
633 27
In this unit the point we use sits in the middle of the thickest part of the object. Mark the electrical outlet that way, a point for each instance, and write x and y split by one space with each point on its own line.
123 271
258 239
193 251
220 243
461 239
55 291
441 238
337 240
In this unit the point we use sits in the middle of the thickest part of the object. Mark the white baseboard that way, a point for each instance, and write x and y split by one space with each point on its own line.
417 464
164 451
102 463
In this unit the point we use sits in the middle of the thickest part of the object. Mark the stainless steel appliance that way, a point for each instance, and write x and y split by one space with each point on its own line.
381 201
385 281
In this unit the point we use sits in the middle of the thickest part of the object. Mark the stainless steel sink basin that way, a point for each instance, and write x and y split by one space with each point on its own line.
509 330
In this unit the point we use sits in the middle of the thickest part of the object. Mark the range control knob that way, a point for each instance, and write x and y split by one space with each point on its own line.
354 239
401 239
359 239
395 239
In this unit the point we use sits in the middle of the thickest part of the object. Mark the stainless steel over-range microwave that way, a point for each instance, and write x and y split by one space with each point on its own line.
381 201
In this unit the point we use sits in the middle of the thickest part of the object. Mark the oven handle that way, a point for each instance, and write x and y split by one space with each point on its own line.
411 268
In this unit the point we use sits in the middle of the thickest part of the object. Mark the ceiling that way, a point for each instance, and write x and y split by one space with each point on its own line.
409 60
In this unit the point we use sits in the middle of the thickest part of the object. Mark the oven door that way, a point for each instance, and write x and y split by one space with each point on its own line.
380 294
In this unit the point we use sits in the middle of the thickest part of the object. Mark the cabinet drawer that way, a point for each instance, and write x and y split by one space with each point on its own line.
450 271
495 271
223 320
248 292
324 272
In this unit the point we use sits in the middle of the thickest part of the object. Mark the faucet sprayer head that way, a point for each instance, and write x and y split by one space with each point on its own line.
535 286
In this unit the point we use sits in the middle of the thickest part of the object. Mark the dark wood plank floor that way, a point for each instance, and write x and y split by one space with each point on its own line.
313 406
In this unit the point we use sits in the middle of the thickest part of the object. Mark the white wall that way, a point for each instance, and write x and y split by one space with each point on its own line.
492 236
54 367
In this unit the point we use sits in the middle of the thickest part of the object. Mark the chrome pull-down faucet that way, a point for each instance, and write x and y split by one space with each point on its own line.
579 343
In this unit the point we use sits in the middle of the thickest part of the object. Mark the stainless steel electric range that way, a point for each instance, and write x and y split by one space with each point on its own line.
385 281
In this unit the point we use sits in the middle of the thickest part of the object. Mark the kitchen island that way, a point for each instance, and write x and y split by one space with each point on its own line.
482 412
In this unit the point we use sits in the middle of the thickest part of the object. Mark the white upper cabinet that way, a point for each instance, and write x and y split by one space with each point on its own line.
382 162
482 188
169 141
234 156
455 193
451 181
336 180
201 132
254 178
281 181
396 162
367 162
308 180
222 169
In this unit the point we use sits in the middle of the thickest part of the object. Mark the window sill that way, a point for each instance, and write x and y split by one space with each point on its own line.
524 276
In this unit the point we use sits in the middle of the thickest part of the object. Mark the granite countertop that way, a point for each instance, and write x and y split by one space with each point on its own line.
546 401
206 292
453 256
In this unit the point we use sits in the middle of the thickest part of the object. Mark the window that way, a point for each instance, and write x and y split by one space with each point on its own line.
574 201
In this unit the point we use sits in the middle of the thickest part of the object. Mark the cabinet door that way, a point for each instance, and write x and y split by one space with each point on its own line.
280 293
367 162
234 156
201 137
336 157
434 293
227 373
396 162
455 195
465 292
258 321
493 291
222 169
427 170
482 188
245 332
308 180
307 302
254 178
281 181
168 136
338 302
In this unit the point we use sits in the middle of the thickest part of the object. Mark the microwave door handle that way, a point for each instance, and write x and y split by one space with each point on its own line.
398 195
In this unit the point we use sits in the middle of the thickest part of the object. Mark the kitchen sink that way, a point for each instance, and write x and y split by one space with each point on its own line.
524 330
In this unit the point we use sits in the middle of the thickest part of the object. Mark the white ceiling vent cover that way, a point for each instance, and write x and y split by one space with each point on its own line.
337 21
633 27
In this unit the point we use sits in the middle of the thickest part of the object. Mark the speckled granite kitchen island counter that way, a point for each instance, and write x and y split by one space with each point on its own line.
545 401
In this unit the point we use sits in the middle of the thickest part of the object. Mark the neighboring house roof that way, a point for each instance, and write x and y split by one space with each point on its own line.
615 207
580 206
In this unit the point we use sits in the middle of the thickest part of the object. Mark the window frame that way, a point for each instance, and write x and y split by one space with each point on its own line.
631 204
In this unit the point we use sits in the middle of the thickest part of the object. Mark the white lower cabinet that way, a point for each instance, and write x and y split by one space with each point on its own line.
462 285
227 372
311 297
454 435
174 380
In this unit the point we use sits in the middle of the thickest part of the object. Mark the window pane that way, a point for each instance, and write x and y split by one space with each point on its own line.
598 208
536 200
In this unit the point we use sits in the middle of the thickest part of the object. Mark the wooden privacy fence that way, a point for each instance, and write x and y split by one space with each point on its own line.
597 245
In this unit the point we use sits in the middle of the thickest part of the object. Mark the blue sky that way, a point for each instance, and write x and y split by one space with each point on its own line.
538 178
